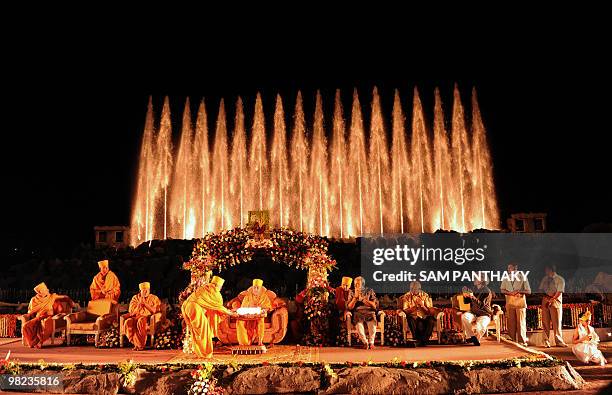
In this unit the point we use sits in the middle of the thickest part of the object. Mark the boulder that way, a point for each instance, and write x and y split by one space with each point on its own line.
378 380
86 382
275 380
167 383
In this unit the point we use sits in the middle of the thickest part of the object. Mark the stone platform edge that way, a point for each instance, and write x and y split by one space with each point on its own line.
537 372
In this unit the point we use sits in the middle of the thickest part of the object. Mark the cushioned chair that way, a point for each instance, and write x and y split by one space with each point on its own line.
461 306
276 321
380 327
406 329
99 315
155 321
55 324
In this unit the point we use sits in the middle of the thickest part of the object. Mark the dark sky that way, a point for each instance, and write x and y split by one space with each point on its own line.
75 117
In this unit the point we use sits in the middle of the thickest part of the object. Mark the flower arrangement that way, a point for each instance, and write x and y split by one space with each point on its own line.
128 372
219 251
9 367
109 338
204 382
394 336
170 335
187 342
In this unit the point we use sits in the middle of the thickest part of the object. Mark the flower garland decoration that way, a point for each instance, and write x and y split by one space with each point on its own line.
187 342
394 335
219 251
171 338
109 338
216 252
532 360
317 310
294 248
231 247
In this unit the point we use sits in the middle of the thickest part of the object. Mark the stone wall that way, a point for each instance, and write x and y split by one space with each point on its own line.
355 380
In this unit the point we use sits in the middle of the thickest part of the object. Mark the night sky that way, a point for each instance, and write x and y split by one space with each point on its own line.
75 117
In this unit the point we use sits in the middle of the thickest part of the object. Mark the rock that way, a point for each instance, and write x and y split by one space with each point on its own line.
275 380
87 382
167 383
557 378
377 380
355 380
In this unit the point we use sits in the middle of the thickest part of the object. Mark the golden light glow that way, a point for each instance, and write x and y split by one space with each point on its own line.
347 186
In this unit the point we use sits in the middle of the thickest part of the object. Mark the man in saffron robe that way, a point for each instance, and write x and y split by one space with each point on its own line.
252 332
202 311
105 285
342 293
43 305
142 306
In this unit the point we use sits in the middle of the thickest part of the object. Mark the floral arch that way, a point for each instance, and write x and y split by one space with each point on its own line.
220 251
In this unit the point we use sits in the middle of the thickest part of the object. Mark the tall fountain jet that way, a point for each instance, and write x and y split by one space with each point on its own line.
200 184
239 187
400 168
279 168
488 213
182 208
442 167
379 164
299 166
338 168
357 178
142 209
421 165
164 156
347 178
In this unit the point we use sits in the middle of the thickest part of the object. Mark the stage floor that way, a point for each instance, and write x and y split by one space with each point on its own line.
489 350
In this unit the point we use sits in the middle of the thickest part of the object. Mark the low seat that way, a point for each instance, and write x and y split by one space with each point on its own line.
155 321
100 315
54 324
380 326
461 306
275 323
406 328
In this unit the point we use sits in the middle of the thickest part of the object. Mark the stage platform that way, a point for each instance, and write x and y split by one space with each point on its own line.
491 368
489 350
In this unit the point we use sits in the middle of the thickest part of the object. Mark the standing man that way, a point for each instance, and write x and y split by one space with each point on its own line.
516 304
142 306
342 295
480 313
553 286
105 285
418 308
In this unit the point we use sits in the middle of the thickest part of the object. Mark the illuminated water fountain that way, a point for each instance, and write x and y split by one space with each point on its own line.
342 181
